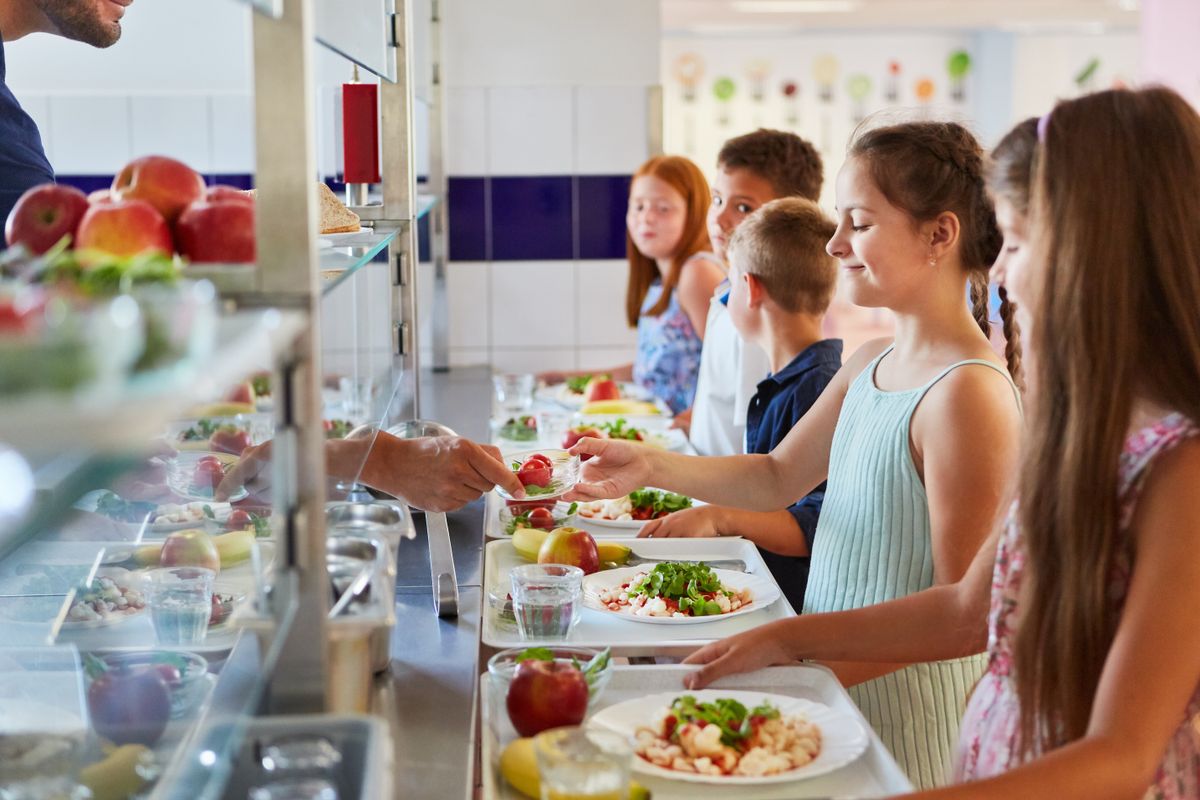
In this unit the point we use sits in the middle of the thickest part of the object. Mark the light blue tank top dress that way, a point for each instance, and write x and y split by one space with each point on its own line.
873 544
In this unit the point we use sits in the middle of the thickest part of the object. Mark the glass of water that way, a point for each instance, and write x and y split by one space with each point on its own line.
552 427
546 599
295 789
180 600
514 391
583 763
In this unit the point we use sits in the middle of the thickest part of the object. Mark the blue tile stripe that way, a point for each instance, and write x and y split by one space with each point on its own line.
503 217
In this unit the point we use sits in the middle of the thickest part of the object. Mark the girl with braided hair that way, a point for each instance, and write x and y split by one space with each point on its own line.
917 436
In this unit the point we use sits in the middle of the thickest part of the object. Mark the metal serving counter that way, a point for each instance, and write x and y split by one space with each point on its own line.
428 694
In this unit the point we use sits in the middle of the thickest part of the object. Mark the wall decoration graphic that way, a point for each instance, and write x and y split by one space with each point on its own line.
891 87
858 87
724 90
791 101
957 67
688 69
825 73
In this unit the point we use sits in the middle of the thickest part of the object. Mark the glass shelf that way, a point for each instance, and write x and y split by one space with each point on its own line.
349 252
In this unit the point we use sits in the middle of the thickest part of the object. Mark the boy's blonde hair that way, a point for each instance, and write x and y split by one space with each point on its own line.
783 245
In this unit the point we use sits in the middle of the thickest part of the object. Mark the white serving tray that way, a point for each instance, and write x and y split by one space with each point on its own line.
598 529
874 774
628 637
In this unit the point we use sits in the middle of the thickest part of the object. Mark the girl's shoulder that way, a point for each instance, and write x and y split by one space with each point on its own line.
865 355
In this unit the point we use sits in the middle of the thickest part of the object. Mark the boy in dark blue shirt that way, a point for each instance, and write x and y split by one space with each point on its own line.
781 283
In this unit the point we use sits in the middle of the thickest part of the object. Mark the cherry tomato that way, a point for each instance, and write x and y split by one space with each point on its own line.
208 460
240 519
539 458
534 474
521 506
541 518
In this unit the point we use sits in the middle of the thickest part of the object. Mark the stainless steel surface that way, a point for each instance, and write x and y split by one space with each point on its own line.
418 428
357 194
286 228
437 184
441 565
359 30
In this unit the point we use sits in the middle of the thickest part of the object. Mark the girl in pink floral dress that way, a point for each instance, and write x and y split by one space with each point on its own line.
1093 583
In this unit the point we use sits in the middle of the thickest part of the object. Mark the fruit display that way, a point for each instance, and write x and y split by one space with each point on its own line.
44 215
193 548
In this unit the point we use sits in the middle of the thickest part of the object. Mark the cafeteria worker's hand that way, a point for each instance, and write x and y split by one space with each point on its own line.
700 522
683 421
437 473
756 648
616 468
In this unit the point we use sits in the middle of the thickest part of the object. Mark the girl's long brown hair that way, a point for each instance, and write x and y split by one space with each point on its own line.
1010 172
1116 304
927 168
686 178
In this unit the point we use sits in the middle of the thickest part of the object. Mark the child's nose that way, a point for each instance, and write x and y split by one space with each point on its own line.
837 246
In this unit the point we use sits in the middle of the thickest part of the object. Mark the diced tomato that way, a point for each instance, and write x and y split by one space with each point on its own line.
641 514
661 514
669 725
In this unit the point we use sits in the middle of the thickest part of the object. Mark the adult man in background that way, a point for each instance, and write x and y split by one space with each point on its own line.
23 162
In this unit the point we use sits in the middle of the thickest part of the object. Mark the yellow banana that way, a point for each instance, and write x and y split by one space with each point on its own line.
222 410
116 777
528 541
632 408
612 552
147 555
518 765
234 547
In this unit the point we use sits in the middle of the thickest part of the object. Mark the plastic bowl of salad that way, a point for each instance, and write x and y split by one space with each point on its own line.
596 666
545 474
522 516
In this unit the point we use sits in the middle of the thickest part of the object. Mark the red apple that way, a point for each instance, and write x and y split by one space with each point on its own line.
124 228
602 389
229 439
571 546
130 705
100 196
221 194
545 695
217 231
242 393
168 185
45 214
193 548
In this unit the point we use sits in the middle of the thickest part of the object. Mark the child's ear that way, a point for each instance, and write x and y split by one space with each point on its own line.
755 291
943 233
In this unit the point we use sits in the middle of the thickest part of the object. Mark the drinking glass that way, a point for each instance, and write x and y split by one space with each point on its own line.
295 789
358 396
514 391
180 600
546 599
583 764
552 427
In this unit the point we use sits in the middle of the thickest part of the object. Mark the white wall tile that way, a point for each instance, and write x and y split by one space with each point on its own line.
37 106
601 315
530 130
507 359
610 129
176 126
90 134
329 130
533 304
469 356
604 357
425 310
466 131
232 119
469 287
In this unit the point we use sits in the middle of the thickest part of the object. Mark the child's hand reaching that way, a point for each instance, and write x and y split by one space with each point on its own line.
616 468
701 522
757 648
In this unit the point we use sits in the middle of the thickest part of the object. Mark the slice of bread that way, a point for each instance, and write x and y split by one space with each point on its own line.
333 216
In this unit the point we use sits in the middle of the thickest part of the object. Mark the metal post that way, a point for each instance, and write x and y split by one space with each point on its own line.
438 186
287 275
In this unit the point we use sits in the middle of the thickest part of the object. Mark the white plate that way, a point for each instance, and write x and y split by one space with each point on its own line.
626 524
563 396
843 738
764 592
338 237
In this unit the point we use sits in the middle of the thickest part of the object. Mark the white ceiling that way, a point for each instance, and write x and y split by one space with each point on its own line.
732 17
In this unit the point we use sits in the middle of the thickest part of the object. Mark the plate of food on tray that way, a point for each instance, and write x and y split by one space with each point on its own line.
634 509
575 392
108 599
734 737
651 431
677 593
157 517
220 434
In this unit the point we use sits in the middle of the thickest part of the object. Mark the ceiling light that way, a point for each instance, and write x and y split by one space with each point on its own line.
795 6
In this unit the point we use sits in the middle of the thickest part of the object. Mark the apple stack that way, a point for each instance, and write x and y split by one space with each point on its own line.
156 204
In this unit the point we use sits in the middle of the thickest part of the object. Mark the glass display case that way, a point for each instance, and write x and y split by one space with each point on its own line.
176 562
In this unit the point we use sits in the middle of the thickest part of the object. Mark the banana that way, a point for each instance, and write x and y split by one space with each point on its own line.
147 555
117 777
518 765
528 541
613 552
234 547
632 408
222 410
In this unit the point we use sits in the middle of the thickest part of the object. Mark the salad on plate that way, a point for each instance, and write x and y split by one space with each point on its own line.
637 507
674 589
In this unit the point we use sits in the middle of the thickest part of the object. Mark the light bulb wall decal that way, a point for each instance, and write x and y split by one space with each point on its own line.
858 87
688 69
724 90
791 101
825 73
957 67
891 86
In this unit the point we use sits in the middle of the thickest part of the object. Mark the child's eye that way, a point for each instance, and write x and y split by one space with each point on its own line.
717 201
859 228
1011 249
744 208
